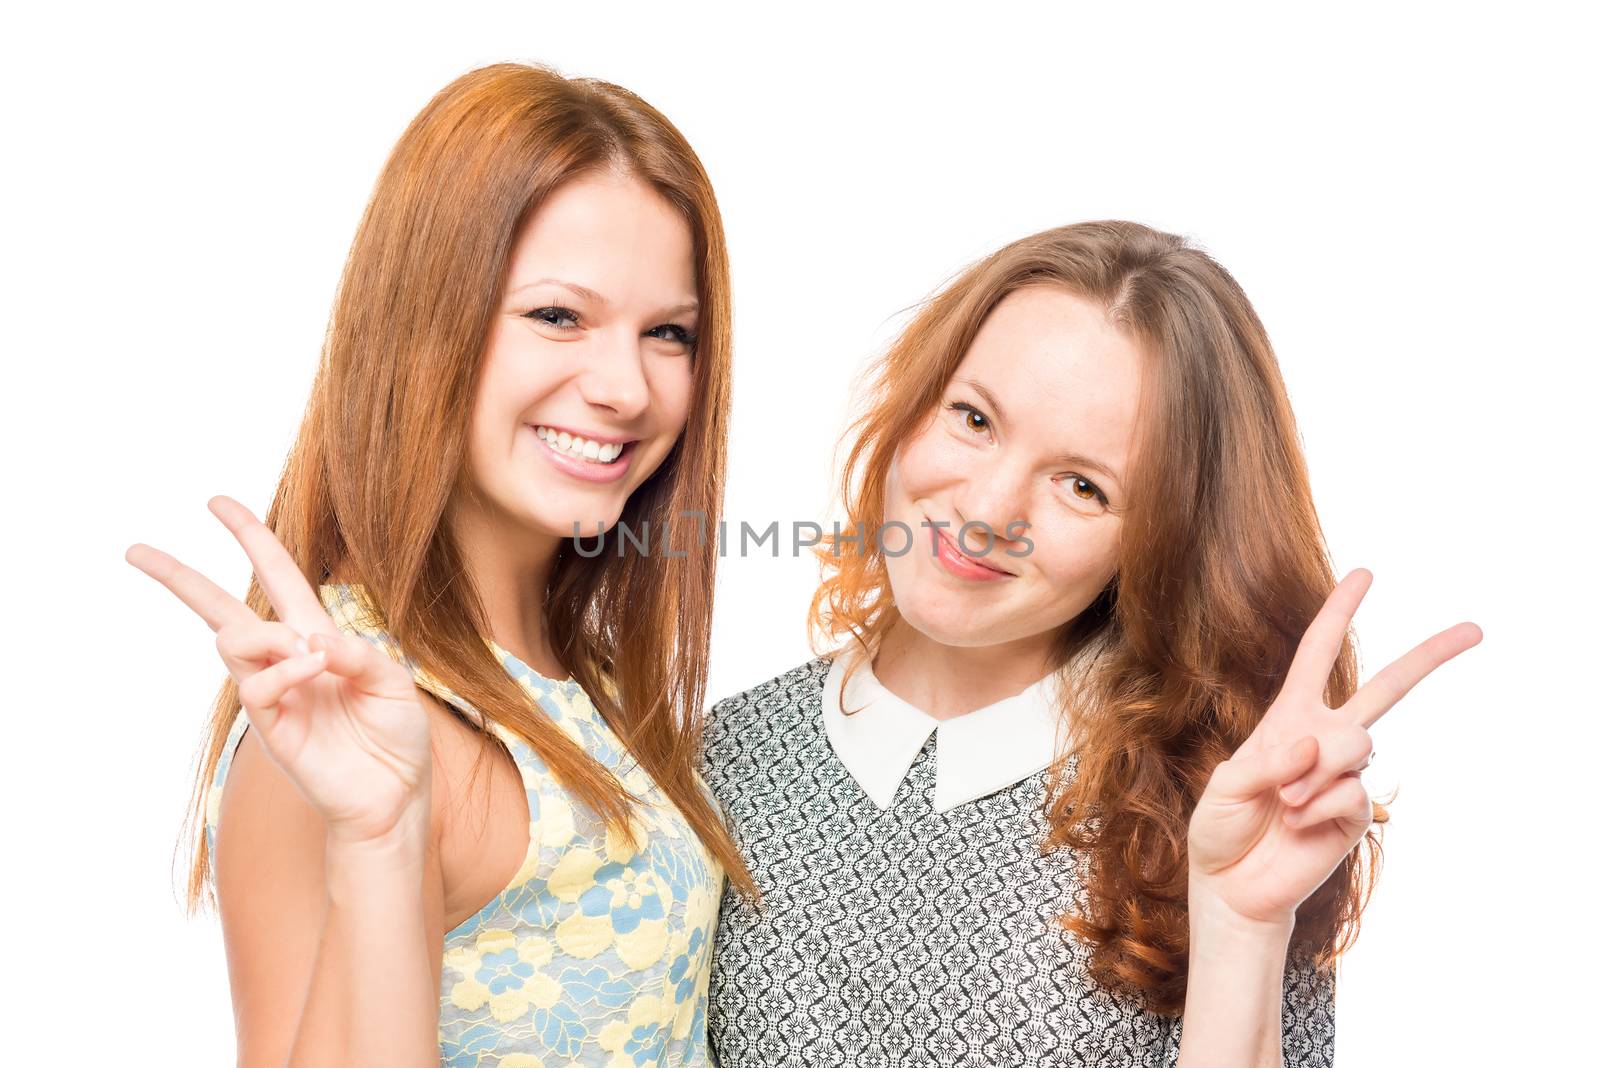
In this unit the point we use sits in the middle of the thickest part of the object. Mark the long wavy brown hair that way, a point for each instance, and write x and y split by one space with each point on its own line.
382 444
1222 565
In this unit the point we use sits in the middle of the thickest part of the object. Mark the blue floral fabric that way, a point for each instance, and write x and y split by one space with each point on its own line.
598 952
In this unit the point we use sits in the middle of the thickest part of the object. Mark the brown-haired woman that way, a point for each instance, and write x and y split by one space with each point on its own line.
1089 668
464 823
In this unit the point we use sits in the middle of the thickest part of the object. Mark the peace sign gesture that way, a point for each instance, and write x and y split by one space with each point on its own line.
1279 815
339 716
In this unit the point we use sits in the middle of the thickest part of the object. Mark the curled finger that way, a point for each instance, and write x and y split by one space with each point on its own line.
250 645
363 663
261 692
1241 778
1342 750
1346 800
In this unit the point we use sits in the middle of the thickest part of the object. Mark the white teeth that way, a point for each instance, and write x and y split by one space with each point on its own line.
580 448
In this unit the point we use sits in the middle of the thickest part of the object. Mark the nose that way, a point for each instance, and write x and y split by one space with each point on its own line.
996 497
614 377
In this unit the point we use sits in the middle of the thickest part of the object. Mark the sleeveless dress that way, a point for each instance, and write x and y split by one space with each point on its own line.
597 953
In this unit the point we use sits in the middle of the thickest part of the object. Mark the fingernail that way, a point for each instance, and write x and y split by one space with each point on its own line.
1293 793
301 646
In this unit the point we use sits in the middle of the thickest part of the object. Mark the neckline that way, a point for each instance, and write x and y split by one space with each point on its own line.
979 752
866 685
518 665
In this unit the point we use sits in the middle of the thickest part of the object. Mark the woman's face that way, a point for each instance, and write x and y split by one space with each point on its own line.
1036 426
587 376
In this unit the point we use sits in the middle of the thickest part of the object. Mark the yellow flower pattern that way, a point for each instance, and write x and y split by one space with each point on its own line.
598 952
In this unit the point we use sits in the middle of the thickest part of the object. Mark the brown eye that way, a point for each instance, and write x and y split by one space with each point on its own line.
971 418
1084 490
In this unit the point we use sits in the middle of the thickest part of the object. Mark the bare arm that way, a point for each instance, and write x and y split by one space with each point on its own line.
333 952
1232 995
328 872
1233 1006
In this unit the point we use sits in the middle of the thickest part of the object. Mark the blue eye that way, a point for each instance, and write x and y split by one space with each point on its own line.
551 317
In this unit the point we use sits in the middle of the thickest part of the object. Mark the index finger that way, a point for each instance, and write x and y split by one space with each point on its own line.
209 601
1386 688
1319 646
292 597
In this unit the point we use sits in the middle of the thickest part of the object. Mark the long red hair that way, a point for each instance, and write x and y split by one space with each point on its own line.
382 447
1222 566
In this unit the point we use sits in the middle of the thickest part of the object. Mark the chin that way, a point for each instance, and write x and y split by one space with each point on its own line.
592 528
561 526
949 624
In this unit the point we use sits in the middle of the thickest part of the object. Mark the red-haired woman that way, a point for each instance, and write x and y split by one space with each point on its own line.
464 823
1079 781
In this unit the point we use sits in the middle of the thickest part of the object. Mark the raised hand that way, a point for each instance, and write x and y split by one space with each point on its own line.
1279 815
339 716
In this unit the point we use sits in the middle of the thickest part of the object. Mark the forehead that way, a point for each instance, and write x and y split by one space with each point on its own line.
1060 370
611 233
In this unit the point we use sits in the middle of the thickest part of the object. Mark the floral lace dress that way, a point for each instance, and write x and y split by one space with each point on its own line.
597 953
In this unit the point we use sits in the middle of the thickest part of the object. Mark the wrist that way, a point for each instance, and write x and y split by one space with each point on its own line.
360 867
1212 921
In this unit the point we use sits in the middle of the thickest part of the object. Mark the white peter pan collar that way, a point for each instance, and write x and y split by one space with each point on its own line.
977 754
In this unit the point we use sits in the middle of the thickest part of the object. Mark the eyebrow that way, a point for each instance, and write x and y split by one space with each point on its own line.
1067 457
590 295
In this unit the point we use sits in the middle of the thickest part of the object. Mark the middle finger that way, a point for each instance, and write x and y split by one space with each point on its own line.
292 597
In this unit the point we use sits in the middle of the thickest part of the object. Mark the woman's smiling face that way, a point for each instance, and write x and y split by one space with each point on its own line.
1036 426
588 372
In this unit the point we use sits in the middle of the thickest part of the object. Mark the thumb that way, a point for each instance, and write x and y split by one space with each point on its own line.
1242 778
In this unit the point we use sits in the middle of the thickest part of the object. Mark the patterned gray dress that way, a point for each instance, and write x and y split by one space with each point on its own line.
906 935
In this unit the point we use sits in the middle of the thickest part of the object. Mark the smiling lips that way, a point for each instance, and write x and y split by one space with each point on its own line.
961 565
579 447
588 458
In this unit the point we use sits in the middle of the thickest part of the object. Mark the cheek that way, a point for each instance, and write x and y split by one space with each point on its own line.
508 387
923 464
502 356
671 391
490 444
1074 552
496 393
496 411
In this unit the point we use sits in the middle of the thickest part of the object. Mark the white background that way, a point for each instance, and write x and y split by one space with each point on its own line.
1405 192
